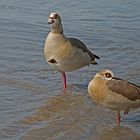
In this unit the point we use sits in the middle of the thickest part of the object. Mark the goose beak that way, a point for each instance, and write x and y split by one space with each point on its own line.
50 21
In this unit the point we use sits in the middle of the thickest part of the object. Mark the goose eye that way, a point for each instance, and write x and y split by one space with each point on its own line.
108 75
55 16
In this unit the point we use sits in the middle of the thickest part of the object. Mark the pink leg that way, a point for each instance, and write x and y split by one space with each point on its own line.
64 79
118 118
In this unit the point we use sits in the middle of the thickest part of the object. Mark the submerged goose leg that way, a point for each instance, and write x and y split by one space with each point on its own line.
64 79
118 118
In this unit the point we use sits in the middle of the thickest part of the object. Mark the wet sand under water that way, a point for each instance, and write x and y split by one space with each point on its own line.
75 117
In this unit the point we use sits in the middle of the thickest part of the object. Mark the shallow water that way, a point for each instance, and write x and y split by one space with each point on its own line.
32 104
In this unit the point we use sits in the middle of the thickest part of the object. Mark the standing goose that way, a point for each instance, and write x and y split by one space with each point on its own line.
65 54
114 93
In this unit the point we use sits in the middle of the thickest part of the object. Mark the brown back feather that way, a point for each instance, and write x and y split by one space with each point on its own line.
124 88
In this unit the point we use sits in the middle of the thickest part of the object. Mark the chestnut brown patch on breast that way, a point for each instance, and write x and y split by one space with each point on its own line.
52 61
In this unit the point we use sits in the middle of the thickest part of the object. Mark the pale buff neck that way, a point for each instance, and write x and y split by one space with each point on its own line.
57 29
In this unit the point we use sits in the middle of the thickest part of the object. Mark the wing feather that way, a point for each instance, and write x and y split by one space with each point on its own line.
124 88
79 44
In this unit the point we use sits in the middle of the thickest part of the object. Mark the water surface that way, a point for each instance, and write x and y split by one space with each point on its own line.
32 104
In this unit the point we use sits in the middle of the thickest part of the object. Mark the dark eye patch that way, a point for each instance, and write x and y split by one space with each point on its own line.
108 75
55 16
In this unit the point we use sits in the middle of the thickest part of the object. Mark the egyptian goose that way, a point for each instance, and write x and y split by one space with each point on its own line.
65 54
114 93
